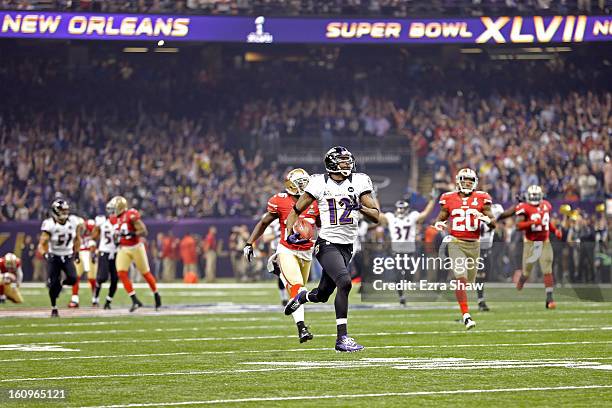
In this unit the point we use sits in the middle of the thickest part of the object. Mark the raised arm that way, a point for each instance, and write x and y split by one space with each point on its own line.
426 211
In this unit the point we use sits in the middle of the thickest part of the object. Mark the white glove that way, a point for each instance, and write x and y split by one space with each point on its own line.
440 225
484 218
247 251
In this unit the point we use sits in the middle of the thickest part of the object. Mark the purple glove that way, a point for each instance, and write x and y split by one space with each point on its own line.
296 240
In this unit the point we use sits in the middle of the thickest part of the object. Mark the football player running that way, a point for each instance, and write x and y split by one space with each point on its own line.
60 241
486 245
86 263
402 225
462 212
535 215
340 195
130 228
105 233
11 276
293 255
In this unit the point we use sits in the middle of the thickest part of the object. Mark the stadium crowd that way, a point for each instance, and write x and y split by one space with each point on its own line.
177 149
390 8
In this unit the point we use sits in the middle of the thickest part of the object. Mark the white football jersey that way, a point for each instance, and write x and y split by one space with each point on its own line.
402 231
62 238
486 234
338 225
107 235
274 228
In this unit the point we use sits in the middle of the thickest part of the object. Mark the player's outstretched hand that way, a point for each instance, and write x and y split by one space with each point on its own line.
440 225
247 251
559 234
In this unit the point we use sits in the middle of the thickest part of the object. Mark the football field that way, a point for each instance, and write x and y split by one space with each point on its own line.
231 345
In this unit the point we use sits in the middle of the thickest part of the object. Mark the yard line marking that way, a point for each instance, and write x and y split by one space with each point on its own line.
271 337
299 350
281 324
353 396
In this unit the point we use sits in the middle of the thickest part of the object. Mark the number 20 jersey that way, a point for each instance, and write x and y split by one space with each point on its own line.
463 222
61 242
338 225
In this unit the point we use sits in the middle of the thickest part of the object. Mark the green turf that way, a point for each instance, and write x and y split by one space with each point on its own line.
215 356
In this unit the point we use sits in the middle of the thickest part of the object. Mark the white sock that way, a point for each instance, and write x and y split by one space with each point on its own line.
75 298
298 315
283 294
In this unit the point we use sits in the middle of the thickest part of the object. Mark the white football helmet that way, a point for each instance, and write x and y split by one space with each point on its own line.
534 194
466 180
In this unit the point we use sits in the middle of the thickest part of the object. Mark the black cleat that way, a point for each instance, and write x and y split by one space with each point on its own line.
304 334
403 301
107 305
482 307
284 302
157 301
294 303
136 304
54 313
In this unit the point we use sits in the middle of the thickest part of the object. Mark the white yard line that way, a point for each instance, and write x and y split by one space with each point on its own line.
301 350
354 396
378 334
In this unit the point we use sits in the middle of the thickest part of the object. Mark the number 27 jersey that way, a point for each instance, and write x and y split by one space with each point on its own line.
463 213
338 224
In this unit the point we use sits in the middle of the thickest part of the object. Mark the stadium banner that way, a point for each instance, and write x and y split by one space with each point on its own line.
483 30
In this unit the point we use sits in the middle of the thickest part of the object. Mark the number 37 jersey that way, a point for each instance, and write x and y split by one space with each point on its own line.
339 225
61 242
463 222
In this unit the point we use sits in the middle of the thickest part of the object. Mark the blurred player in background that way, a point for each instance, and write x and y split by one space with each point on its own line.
86 262
465 209
106 235
272 236
340 195
536 222
293 256
60 240
402 226
487 235
130 230
11 276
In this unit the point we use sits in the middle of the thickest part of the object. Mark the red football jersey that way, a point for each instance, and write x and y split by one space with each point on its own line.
538 213
86 241
464 211
126 229
3 268
282 204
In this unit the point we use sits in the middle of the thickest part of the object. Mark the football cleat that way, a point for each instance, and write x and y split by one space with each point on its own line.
294 303
54 313
107 305
403 301
482 307
136 304
73 305
551 304
95 304
467 320
284 302
157 301
304 334
346 344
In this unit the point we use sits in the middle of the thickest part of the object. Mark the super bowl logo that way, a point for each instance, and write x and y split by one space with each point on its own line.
259 36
